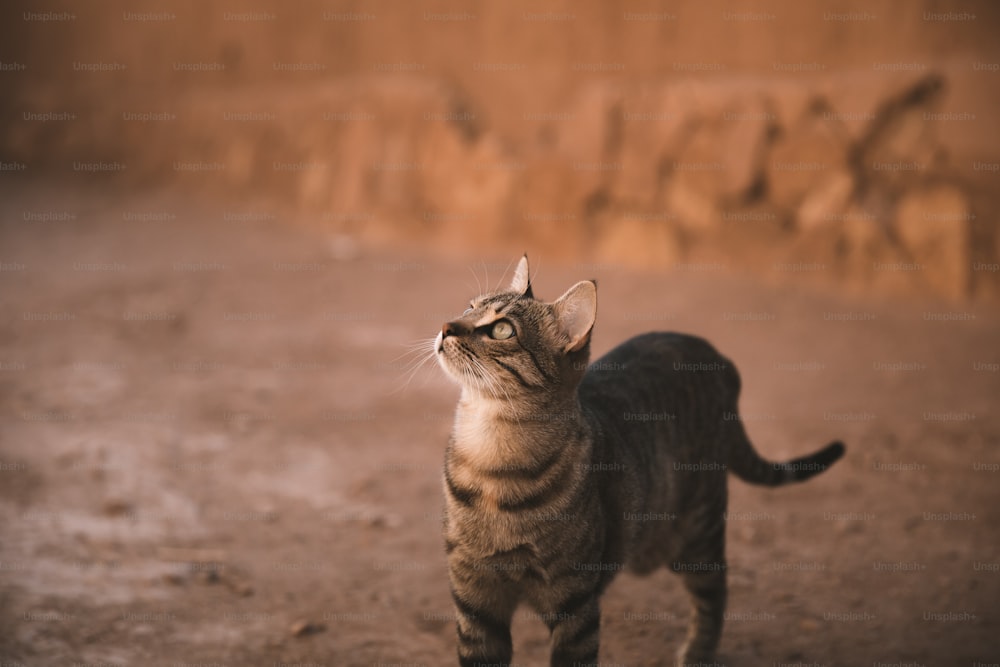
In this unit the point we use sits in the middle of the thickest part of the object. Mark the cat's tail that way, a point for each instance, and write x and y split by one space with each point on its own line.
748 465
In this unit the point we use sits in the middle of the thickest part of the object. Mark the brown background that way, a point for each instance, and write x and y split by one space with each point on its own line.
215 444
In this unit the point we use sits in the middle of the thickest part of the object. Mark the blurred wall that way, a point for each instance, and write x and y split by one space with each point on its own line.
850 142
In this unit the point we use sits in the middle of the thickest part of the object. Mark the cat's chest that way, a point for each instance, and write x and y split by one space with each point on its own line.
502 479
503 545
477 513
481 442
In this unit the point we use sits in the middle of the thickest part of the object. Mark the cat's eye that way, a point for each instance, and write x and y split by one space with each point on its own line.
502 330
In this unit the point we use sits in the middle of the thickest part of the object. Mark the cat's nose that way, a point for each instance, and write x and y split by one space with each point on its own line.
452 329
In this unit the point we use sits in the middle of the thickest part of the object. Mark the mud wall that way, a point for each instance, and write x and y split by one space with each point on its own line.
850 143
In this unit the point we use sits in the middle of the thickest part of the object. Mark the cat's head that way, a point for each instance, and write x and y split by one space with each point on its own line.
508 345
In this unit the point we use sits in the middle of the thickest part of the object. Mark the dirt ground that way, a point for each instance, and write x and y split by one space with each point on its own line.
213 452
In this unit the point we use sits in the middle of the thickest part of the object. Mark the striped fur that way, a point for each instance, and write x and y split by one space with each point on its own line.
559 475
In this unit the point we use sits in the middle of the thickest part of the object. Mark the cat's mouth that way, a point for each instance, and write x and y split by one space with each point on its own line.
457 362
445 361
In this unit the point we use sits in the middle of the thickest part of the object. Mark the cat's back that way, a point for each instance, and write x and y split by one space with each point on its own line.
658 368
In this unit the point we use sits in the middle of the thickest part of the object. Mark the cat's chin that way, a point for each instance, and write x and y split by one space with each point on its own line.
472 390
470 387
455 374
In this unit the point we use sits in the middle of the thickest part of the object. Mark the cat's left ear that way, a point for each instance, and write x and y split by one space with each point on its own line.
576 311
522 281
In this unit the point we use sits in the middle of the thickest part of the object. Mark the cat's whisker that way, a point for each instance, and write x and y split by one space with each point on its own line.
420 345
417 346
417 367
425 349
407 363
500 281
486 380
479 285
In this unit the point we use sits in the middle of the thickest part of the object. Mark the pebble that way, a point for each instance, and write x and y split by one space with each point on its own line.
302 628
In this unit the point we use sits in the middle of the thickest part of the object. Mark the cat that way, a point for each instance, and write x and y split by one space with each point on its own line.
559 475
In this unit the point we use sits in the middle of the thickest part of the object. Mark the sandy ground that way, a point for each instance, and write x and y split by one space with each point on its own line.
211 452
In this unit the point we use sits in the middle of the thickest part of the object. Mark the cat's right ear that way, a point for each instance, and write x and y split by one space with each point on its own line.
576 311
522 280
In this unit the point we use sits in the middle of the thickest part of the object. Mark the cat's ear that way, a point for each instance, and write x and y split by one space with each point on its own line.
576 311
522 281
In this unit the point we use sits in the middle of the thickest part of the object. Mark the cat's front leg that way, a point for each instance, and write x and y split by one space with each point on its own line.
483 614
576 630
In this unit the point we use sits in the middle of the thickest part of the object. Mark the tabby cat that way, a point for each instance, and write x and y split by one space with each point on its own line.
559 475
